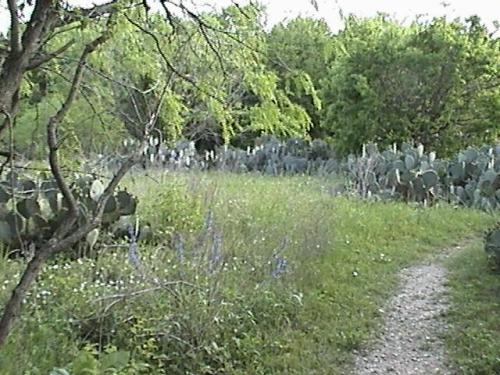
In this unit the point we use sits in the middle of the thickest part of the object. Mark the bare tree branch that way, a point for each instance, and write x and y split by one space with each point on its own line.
7 154
79 13
9 114
13 184
41 21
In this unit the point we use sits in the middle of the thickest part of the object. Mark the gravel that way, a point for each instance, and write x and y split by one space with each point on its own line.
410 339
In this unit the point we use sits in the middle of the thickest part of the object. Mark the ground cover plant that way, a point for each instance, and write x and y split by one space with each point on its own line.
252 274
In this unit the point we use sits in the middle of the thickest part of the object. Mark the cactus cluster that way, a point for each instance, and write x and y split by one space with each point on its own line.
471 179
273 157
408 173
32 207
269 156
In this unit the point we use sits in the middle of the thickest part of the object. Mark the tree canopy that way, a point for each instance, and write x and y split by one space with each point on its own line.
228 80
436 83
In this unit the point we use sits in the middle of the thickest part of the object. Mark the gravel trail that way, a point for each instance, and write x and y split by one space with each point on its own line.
410 339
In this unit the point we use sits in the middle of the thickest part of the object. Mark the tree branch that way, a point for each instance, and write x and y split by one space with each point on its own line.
52 133
40 22
79 13
40 60
202 24
170 65
15 33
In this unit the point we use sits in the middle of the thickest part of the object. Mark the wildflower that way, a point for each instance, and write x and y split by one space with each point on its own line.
280 267
216 255
133 255
179 246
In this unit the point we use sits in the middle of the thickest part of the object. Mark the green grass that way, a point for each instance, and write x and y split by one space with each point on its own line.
474 341
343 257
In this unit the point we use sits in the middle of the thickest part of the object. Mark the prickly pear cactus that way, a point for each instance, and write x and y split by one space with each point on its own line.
32 208
407 174
471 179
269 155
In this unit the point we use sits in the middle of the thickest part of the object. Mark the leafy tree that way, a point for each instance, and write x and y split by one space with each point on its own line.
241 96
300 52
218 84
435 83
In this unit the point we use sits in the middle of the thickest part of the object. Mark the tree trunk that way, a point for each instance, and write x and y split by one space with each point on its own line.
10 82
13 306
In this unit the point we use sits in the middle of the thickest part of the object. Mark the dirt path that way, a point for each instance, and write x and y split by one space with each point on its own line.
410 339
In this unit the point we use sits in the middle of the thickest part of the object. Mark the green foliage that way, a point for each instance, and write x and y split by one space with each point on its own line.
217 84
300 52
433 83
175 209
87 362
303 44
376 81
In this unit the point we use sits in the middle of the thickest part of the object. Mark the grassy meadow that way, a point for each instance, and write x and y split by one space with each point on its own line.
244 274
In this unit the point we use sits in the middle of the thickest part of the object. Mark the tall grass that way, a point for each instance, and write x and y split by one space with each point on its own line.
249 275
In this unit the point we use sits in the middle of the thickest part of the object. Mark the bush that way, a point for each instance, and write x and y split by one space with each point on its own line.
173 209
492 244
